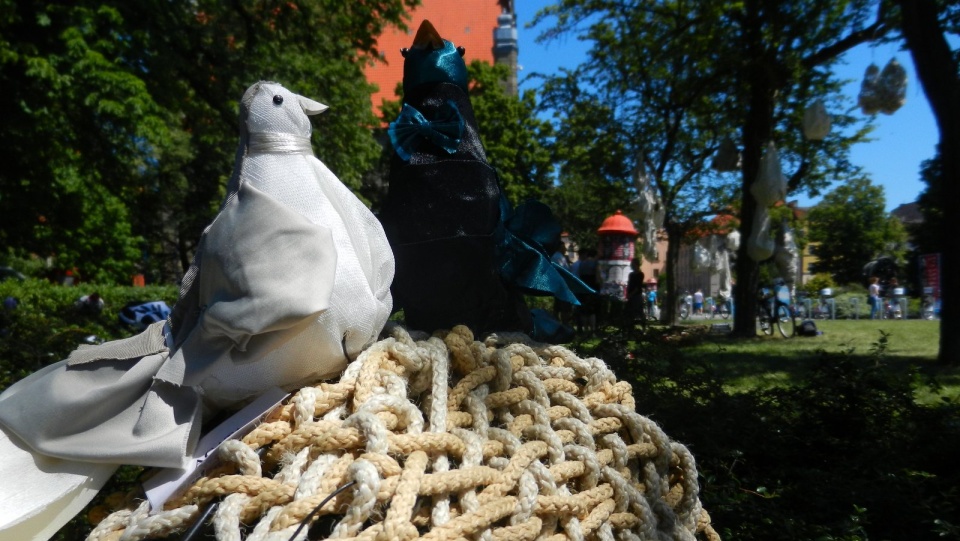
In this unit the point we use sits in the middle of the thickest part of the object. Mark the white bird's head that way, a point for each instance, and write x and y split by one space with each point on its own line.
268 107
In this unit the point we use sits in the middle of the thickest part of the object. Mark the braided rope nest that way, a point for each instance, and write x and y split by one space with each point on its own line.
446 437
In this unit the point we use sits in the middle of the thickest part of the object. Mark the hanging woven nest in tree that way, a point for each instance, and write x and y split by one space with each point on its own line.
445 437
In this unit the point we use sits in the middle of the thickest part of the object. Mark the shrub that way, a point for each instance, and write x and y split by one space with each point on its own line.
846 453
45 327
819 281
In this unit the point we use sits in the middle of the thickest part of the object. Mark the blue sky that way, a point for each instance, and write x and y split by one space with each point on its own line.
892 160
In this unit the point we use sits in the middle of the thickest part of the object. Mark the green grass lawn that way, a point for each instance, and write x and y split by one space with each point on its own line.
772 360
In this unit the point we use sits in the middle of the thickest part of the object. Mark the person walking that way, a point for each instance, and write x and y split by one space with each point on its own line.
698 302
635 296
873 297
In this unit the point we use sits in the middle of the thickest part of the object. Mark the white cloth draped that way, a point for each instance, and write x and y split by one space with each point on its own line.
290 282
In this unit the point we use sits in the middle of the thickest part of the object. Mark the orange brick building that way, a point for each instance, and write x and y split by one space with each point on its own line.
471 24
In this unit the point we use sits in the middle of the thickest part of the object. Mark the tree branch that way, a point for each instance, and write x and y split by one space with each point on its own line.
870 33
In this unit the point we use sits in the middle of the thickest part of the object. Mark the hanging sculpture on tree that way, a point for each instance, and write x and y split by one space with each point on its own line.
787 256
650 211
893 83
770 187
727 158
816 121
883 91
869 97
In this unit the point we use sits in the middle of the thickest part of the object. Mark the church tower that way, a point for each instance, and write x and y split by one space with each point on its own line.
505 47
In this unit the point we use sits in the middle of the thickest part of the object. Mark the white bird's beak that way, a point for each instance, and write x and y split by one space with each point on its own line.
311 107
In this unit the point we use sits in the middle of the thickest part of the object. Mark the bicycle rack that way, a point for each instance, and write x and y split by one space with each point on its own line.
831 305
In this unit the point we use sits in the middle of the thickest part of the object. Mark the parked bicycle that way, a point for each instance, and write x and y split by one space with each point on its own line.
891 309
825 305
799 308
773 308
686 305
719 309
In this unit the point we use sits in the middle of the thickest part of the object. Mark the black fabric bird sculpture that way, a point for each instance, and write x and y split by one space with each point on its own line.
463 255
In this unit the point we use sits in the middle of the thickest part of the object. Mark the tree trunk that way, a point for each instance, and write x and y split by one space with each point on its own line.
747 270
937 72
669 295
757 130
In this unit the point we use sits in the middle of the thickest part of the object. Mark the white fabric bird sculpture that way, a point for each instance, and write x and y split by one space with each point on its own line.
290 282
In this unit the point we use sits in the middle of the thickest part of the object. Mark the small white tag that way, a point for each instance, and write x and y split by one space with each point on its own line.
169 481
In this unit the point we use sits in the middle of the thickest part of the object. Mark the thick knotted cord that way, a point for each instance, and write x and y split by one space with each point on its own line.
445 437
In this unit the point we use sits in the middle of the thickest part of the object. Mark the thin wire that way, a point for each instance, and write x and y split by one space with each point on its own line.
207 511
199 523
317 508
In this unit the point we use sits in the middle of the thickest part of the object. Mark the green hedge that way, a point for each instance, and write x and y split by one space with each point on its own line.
45 326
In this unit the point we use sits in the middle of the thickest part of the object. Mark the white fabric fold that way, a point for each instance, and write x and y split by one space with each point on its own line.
290 282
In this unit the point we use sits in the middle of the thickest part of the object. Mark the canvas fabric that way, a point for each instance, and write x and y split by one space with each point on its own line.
290 282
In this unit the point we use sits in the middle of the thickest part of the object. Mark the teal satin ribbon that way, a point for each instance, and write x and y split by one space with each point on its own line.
523 255
428 65
411 128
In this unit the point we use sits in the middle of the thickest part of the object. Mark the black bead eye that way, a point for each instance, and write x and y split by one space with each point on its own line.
278 99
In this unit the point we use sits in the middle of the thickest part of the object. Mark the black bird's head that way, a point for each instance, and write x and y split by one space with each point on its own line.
432 59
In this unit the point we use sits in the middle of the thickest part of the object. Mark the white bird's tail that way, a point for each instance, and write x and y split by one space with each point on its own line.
39 494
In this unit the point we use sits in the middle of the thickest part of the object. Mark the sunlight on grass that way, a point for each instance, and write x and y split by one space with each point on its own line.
772 361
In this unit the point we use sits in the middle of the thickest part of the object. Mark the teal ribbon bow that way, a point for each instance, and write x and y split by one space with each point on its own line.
524 257
410 128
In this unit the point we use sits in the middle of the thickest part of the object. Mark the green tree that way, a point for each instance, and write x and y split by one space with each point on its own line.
512 134
851 228
786 50
927 236
678 77
77 126
140 98
593 176
652 105
925 25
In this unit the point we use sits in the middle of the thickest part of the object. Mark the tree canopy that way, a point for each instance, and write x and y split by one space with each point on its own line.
671 79
851 228
927 235
124 113
514 138
592 157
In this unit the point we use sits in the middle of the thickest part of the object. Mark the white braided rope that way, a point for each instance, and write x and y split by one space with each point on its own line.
364 499
434 352
548 443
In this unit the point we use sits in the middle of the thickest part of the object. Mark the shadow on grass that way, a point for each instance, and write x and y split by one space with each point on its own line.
817 444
